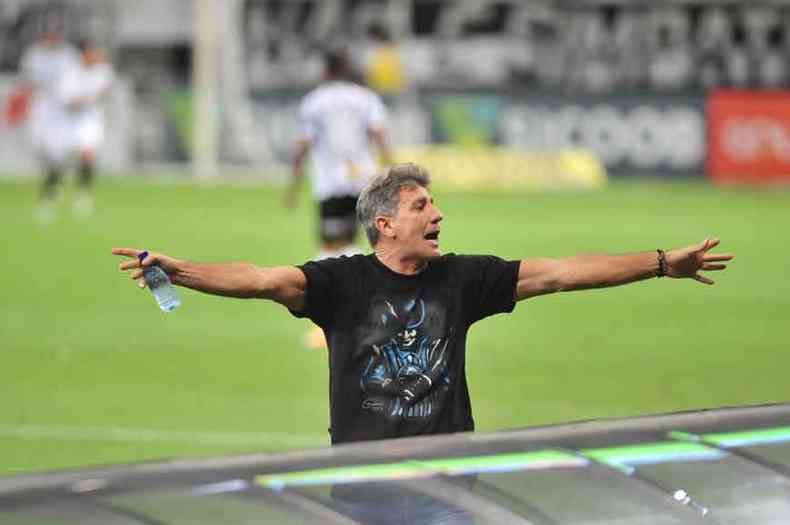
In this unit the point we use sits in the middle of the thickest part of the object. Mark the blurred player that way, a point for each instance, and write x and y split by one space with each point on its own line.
43 67
340 123
82 90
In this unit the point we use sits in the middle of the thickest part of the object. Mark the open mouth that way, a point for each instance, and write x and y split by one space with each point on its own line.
433 236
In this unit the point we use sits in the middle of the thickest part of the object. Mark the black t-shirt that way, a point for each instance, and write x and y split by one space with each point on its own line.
397 343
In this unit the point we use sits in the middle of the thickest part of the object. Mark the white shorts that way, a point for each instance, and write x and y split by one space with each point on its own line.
52 139
88 134
59 136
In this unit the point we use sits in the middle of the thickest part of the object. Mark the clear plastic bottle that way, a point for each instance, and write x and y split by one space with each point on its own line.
159 283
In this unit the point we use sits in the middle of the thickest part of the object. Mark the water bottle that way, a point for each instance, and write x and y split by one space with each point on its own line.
159 283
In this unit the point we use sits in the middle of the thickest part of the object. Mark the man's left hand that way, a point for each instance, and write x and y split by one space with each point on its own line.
689 261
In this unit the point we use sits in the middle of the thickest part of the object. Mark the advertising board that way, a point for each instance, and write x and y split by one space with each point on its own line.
749 136
650 134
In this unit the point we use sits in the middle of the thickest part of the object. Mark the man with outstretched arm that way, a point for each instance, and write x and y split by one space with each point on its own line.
396 320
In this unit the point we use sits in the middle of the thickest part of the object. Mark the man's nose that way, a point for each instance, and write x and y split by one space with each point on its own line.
438 217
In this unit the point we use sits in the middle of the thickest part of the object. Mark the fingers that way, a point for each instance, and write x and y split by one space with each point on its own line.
145 258
135 262
711 243
713 267
128 252
709 259
128 265
131 264
718 257
707 244
138 276
702 279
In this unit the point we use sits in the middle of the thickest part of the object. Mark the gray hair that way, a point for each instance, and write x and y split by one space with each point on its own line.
382 195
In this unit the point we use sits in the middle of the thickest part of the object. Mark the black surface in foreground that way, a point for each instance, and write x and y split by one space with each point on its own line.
724 466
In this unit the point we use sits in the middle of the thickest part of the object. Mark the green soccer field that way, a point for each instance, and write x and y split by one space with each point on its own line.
93 373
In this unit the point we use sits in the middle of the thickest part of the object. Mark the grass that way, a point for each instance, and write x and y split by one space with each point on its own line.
93 373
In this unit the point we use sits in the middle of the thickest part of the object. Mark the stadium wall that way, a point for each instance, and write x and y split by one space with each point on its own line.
632 134
730 135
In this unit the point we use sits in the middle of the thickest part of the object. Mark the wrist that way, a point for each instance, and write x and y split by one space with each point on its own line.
661 260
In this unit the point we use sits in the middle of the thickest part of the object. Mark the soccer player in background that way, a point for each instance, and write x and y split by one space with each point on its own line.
42 70
83 90
342 125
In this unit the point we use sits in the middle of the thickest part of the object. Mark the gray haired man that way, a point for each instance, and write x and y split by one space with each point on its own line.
396 320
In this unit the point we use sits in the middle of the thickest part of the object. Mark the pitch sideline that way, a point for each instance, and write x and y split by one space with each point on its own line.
149 435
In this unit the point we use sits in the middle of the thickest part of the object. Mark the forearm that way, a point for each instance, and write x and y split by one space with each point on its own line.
383 145
583 272
545 276
385 152
239 279
542 276
299 160
297 173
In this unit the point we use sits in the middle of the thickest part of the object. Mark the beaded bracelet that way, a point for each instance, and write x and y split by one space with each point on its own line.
662 264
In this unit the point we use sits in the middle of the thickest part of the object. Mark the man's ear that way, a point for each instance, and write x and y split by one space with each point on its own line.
384 226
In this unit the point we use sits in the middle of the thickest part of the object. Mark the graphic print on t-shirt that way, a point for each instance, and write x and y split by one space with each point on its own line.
406 375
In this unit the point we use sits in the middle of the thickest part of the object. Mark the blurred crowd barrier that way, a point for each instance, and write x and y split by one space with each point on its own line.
680 88
631 133
498 168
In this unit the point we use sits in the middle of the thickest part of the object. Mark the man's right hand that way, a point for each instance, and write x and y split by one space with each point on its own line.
168 264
